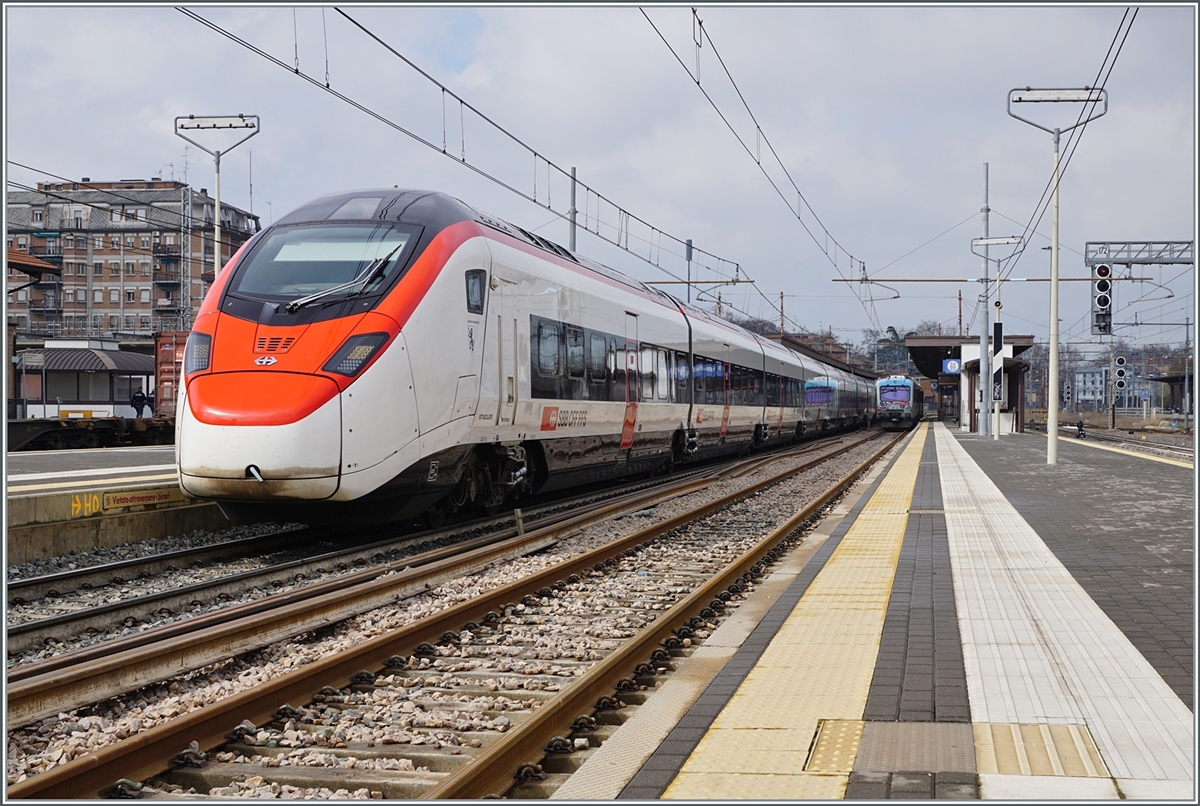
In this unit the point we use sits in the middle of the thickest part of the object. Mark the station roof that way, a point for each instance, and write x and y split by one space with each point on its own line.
928 352
78 359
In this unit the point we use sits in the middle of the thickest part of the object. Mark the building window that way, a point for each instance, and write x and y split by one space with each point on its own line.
114 268
114 242
21 295
129 322
22 243
129 241
114 322
69 295
170 239
97 268
145 295
79 219
69 242
113 295
145 268
37 216
130 295
145 241
129 268
98 296
98 242
114 215
144 323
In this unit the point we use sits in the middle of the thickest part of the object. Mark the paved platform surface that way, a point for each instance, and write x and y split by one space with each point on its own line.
40 472
972 624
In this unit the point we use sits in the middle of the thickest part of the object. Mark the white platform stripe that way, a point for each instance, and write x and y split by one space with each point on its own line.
1037 649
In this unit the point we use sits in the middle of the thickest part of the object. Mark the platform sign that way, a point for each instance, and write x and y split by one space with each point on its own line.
33 360
951 366
933 387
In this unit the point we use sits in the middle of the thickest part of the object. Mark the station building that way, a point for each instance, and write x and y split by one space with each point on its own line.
134 257
951 364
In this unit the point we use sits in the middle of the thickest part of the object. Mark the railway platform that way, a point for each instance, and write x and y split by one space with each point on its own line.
58 502
969 623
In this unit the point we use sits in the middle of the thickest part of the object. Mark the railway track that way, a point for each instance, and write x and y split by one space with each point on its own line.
465 682
109 598
1145 443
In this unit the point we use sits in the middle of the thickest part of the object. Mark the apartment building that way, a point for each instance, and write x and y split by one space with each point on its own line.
136 255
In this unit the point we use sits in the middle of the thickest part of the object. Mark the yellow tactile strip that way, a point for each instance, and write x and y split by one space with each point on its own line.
836 746
1066 750
818 667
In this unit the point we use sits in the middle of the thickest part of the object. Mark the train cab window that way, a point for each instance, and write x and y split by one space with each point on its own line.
547 355
574 352
476 283
595 358
297 264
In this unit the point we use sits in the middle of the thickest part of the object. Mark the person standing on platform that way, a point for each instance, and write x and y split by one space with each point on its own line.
138 399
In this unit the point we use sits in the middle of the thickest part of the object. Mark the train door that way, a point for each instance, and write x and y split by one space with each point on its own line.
632 381
507 342
726 389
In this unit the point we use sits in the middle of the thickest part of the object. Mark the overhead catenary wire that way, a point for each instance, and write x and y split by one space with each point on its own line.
1075 135
622 235
702 36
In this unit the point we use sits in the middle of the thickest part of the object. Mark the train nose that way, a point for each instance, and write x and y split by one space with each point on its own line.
231 446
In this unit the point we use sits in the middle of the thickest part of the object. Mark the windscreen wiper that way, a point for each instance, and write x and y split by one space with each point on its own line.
363 278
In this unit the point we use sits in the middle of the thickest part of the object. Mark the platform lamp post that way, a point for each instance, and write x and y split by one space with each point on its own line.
193 123
1028 95
998 371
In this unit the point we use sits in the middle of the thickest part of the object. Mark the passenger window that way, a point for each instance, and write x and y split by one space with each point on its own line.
596 358
574 352
548 361
647 370
475 290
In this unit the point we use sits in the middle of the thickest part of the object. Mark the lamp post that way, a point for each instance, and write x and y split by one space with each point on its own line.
1030 95
191 122
993 405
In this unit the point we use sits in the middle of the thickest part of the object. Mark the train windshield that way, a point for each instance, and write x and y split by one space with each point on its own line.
297 262
893 394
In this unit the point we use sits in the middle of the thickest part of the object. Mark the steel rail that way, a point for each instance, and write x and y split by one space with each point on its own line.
491 773
94 576
150 752
97 652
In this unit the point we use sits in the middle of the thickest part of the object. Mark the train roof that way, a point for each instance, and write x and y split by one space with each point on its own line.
439 210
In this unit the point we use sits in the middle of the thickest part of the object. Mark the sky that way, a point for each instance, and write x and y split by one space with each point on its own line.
874 122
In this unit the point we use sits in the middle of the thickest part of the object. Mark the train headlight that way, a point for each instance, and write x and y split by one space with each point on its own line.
354 354
196 353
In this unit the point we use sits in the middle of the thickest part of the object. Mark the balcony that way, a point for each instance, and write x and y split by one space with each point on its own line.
166 251
166 304
50 254
51 303
167 277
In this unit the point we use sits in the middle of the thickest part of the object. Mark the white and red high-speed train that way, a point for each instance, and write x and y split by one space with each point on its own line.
381 354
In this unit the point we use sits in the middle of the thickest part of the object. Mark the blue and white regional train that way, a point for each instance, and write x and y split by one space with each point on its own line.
383 354
900 402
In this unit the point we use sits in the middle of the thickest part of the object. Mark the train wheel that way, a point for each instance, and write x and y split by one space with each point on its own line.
434 517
